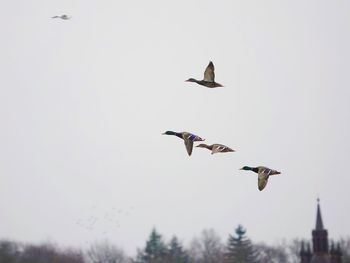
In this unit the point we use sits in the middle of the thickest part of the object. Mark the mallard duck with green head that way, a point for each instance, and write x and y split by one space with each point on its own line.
188 138
216 148
263 174
209 78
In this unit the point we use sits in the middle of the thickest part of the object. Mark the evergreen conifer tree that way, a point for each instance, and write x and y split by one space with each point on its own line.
176 254
240 248
155 250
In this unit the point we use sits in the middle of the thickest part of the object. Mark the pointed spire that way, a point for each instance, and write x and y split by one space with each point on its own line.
308 250
332 248
302 250
339 249
319 223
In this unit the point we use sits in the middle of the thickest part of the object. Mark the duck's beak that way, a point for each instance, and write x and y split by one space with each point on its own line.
240 169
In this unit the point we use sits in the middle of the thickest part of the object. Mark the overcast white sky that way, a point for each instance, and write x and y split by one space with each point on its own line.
83 104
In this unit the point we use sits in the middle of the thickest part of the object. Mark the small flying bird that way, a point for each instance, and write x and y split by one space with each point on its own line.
188 138
64 17
216 148
263 174
209 78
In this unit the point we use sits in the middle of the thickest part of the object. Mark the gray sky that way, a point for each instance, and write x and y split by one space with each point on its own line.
83 104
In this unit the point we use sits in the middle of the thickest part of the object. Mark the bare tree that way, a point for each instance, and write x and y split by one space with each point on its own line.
208 248
283 251
71 256
293 248
345 249
271 254
49 252
9 251
105 252
39 253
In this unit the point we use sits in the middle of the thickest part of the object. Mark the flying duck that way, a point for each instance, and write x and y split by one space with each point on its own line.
188 138
64 17
216 148
263 174
209 78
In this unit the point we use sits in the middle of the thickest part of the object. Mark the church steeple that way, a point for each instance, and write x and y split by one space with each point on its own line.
319 223
321 252
319 234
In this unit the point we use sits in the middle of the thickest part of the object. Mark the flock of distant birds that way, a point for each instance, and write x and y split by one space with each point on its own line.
111 218
189 138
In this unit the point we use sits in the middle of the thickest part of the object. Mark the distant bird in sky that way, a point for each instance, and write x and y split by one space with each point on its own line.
64 17
216 148
188 138
209 78
263 174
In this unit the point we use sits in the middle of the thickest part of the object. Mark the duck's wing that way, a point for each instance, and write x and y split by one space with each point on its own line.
263 176
194 138
267 171
217 148
188 144
262 181
220 148
209 74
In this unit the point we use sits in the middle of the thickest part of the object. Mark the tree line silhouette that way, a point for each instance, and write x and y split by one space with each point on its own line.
207 248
